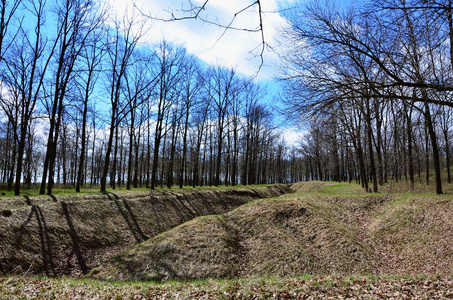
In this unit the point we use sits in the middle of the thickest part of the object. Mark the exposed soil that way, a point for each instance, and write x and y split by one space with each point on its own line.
70 235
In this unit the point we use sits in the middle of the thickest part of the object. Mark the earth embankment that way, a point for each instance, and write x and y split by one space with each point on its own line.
69 235
322 229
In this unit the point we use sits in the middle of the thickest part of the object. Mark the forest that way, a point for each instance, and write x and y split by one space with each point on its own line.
374 82
96 105
91 104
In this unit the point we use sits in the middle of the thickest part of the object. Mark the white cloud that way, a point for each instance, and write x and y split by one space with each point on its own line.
293 136
236 49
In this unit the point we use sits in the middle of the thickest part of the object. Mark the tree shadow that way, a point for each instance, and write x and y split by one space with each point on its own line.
75 239
44 238
207 204
27 200
129 217
187 198
183 207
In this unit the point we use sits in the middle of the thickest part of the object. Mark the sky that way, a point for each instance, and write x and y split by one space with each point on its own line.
239 49
234 48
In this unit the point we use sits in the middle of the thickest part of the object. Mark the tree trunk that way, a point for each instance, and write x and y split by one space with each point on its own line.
447 154
409 146
131 143
436 156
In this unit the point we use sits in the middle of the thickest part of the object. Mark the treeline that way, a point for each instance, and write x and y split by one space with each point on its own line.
376 83
85 101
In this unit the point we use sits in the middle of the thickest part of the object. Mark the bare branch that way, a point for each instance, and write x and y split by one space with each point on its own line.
194 13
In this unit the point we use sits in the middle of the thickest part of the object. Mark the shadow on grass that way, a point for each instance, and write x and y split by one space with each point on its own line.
75 239
44 238
128 216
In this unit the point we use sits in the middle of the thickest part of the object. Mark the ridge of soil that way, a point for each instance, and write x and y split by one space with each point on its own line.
71 234
302 233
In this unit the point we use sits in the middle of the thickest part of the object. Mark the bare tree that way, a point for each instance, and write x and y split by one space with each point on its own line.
74 28
222 85
445 125
92 54
191 86
26 67
191 10
8 10
121 43
138 86
170 71
369 57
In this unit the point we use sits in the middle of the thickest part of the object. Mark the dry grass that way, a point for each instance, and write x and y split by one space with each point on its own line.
69 235
332 229
329 229
205 245
269 237
309 186
415 235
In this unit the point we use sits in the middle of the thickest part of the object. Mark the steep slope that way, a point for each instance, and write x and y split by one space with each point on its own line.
269 237
72 234
319 231
414 235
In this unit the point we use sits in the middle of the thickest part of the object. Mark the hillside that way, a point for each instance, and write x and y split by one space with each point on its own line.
324 241
322 229
69 235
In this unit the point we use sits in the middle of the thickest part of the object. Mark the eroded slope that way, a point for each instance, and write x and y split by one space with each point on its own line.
269 237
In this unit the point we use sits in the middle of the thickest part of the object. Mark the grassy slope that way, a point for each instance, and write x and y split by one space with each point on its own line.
407 234
415 234
71 234
285 236
324 228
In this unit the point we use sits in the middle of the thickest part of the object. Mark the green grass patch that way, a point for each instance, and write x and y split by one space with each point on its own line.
59 190
341 189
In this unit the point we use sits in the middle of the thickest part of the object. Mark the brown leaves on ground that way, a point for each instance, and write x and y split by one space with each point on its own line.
319 287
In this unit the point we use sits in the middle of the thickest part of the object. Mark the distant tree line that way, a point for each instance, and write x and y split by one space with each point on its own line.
376 83
117 112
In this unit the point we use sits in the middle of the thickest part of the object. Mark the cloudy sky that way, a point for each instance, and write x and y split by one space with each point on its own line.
239 49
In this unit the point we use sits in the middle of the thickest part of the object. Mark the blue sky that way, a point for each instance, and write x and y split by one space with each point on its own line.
236 49
232 49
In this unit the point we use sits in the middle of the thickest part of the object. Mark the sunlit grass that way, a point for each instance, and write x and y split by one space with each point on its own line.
341 188
95 189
